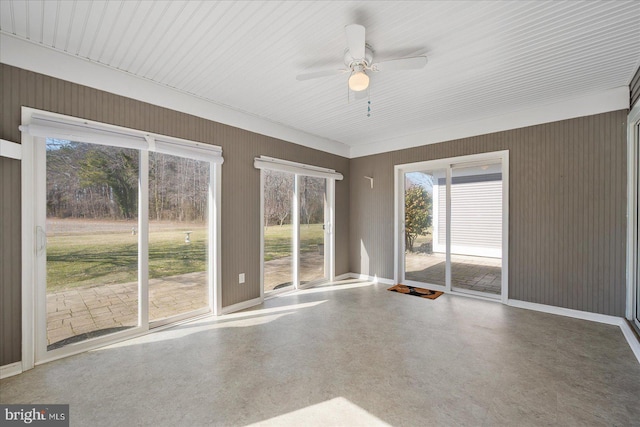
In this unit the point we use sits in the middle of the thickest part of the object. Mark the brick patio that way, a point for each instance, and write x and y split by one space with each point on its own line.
86 310
94 310
467 272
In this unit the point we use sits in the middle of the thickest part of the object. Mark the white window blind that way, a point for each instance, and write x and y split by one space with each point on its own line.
270 163
97 133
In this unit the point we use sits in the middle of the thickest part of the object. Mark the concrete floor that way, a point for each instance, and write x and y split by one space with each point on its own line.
352 354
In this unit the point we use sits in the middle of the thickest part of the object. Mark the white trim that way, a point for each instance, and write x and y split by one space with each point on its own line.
143 240
270 163
330 234
631 339
261 235
633 147
504 274
27 247
398 227
584 315
561 311
447 224
604 101
53 125
176 319
344 276
10 149
215 236
10 370
241 305
41 59
295 228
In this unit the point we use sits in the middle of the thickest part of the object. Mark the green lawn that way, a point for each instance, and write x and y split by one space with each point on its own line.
104 258
277 240
96 259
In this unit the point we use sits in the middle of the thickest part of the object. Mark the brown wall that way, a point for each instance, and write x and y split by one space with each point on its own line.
10 256
634 88
240 180
567 222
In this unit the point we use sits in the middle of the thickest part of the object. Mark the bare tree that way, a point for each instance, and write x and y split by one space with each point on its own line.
278 196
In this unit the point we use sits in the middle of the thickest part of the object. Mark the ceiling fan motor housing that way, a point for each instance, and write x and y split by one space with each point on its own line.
351 62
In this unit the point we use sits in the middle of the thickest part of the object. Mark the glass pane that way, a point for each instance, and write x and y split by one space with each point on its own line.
178 212
476 228
425 226
92 246
312 211
278 231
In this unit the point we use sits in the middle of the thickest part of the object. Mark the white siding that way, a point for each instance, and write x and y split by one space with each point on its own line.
476 215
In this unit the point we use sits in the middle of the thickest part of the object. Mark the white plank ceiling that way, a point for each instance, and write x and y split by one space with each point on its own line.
486 59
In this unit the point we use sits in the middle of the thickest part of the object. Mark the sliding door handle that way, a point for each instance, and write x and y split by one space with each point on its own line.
41 240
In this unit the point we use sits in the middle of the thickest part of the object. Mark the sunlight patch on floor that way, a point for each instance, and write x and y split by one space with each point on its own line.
335 412
241 319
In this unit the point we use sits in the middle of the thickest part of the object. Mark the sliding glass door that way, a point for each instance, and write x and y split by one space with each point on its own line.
178 236
450 224
278 229
424 227
91 262
475 224
297 224
123 229
312 196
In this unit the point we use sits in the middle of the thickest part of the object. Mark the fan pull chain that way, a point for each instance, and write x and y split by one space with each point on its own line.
368 108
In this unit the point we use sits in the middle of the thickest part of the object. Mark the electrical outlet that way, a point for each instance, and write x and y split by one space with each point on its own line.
241 278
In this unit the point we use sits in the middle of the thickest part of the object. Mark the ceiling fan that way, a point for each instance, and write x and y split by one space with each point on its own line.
358 58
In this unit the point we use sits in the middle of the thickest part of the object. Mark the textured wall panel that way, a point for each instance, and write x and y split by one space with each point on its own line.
10 261
634 88
567 195
240 180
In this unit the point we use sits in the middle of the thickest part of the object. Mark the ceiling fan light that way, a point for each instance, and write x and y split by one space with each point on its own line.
358 81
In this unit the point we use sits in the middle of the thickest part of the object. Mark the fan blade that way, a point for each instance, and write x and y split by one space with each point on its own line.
414 63
319 74
355 40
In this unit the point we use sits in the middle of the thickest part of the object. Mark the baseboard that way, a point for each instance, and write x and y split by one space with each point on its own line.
344 276
241 305
631 337
374 279
10 370
585 315
577 314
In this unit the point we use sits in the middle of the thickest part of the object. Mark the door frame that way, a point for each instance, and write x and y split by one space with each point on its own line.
298 170
632 311
446 165
33 191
